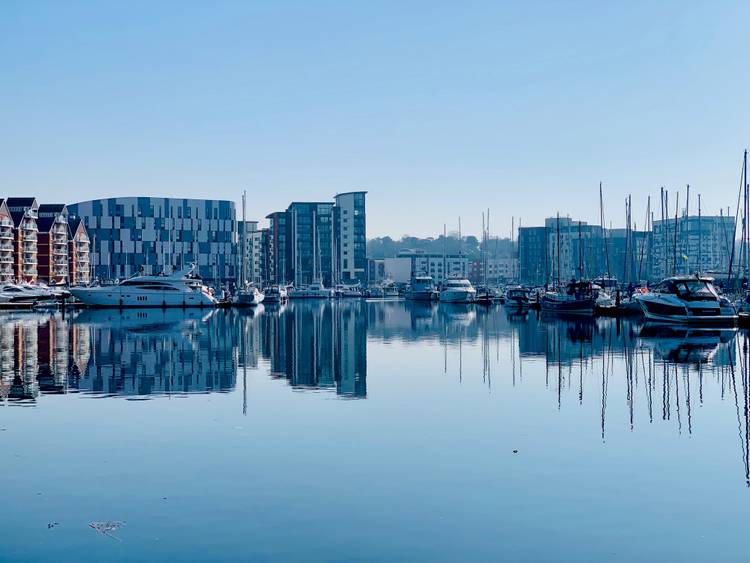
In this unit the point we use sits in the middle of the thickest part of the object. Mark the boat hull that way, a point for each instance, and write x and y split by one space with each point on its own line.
310 295
113 297
669 310
457 296
248 299
568 306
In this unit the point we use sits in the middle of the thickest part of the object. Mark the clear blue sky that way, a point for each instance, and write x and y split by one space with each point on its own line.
437 109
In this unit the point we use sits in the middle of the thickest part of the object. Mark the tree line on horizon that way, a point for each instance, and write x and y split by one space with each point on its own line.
470 246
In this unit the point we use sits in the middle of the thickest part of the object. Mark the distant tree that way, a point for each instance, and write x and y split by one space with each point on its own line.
386 247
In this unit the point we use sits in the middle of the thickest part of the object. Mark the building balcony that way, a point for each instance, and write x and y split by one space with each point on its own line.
6 223
60 261
30 261
60 251
30 227
6 259
6 246
82 259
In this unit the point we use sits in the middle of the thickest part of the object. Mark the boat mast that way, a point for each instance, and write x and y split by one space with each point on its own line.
512 265
445 240
315 248
647 229
743 189
700 237
626 265
686 227
460 248
515 257
664 212
558 249
243 242
580 252
483 250
604 233
674 246
746 237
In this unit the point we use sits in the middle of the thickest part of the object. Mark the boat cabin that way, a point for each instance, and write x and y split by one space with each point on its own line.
689 288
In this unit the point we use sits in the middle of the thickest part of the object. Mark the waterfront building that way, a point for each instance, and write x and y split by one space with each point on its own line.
23 211
7 244
499 269
311 257
629 255
252 256
351 237
575 249
533 262
702 244
265 250
52 245
276 248
564 248
375 271
398 269
79 261
150 235
317 241
439 266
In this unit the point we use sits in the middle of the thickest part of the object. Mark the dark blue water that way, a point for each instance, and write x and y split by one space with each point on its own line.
370 431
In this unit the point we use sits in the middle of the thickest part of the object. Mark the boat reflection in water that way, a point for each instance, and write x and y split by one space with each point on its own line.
634 374
142 353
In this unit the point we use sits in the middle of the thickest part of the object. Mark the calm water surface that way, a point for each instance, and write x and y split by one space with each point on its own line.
370 431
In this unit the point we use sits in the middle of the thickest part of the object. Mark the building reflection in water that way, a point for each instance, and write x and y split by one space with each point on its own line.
148 352
661 373
318 345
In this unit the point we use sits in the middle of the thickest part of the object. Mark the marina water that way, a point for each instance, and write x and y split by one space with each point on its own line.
373 430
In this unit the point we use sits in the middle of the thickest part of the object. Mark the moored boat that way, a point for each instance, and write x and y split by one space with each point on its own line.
181 289
577 298
457 290
275 294
517 296
249 296
343 290
422 288
687 300
315 290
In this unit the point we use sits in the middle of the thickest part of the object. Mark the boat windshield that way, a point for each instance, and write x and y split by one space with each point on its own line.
458 283
696 288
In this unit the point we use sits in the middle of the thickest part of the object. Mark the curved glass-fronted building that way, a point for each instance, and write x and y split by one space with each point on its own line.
130 235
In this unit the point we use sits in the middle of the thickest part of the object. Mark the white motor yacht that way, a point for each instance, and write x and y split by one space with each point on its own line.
181 289
11 293
315 290
249 296
343 290
458 290
688 300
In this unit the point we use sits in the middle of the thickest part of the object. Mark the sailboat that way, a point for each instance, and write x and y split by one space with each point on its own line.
577 297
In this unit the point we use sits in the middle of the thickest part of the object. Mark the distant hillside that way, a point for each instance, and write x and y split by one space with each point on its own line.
386 247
